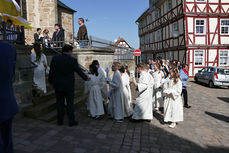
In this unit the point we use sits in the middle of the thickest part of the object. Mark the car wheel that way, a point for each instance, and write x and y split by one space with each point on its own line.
196 80
211 84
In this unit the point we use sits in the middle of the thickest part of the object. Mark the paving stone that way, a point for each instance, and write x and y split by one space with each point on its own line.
68 138
101 136
204 130
79 150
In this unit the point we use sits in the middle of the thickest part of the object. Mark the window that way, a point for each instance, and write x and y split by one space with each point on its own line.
224 27
150 18
175 27
169 5
153 37
223 58
200 26
199 57
204 69
157 14
223 71
159 38
211 69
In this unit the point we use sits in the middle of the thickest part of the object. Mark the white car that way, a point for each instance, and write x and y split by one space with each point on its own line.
213 76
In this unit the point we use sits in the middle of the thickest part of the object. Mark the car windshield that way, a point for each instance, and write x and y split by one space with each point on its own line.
223 71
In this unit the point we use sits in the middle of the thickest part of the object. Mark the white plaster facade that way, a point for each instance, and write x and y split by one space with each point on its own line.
201 28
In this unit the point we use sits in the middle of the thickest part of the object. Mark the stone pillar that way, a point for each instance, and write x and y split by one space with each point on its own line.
66 19
23 77
86 56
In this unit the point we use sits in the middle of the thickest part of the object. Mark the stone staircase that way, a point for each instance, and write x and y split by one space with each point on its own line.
44 107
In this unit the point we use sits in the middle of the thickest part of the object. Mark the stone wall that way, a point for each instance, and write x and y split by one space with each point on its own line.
23 77
45 14
66 19
86 56
41 14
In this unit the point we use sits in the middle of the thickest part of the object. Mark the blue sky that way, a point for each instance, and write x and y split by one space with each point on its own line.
109 19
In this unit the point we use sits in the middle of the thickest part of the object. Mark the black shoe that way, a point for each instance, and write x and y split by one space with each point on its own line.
134 121
147 121
73 124
187 106
119 121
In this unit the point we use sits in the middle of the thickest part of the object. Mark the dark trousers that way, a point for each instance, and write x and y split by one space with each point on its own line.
6 142
185 95
60 100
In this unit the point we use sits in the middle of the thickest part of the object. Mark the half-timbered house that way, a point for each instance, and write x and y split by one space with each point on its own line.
195 32
123 51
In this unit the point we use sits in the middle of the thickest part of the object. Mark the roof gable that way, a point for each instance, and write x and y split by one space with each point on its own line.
122 40
62 5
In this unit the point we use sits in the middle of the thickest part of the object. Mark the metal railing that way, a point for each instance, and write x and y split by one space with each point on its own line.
92 42
121 53
58 52
12 34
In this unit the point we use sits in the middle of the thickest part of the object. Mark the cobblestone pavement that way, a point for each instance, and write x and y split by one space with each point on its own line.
205 130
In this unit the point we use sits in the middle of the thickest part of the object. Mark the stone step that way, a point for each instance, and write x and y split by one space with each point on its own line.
35 111
48 96
45 104
51 95
49 88
51 116
79 83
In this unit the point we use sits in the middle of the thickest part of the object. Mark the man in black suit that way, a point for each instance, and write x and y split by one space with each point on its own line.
62 78
8 105
37 36
58 36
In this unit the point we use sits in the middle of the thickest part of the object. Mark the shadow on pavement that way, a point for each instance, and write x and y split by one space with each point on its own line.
159 117
107 136
218 116
225 99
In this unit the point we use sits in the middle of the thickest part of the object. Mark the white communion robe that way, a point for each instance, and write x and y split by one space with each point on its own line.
116 106
173 105
157 95
39 71
103 83
95 99
144 103
128 110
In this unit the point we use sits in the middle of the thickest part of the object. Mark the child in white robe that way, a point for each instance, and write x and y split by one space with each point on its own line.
128 110
128 85
102 76
143 109
173 106
157 75
95 99
116 106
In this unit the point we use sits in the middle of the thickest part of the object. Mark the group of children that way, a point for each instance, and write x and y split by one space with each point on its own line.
154 92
